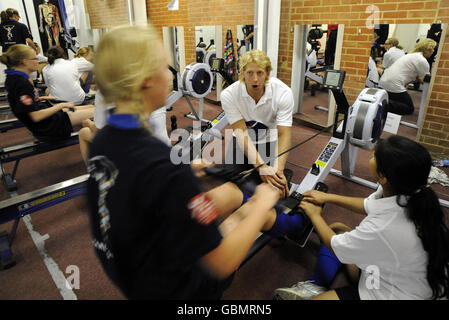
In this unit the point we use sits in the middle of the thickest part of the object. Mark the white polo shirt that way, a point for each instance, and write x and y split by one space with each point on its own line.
157 118
403 71
62 78
387 249
373 75
391 56
83 65
275 108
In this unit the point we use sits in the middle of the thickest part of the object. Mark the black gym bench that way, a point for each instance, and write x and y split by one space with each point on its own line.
5 109
18 152
22 205
10 124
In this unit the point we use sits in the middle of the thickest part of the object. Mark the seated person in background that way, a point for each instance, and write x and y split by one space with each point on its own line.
45 122
43 61
372 78
83 61
405 70
157 120
62 78
394 52
260 111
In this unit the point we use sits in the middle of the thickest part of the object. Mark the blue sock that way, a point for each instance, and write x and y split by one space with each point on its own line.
245 198
326 267
285 224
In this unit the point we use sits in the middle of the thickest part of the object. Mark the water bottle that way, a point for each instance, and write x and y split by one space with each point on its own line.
440 163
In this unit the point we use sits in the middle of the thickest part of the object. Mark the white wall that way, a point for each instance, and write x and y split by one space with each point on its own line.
207 32
407 34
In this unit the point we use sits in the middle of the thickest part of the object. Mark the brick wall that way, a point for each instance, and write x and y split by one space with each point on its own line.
106 13
227 13
356 42
434 133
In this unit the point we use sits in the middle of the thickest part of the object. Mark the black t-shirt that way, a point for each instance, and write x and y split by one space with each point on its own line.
151 223
23 99
13 32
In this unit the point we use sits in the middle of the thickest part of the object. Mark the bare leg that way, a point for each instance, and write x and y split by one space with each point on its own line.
85 136
228 197
83 107
77 117
328 295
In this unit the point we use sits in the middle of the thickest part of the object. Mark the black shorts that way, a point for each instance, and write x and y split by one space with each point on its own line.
348 293
56 127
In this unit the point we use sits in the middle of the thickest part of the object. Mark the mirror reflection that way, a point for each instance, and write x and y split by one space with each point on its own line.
321 51
401 59
245 38
173 41
205 52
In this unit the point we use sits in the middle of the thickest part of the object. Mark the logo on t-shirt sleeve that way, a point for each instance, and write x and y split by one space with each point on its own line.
203 209
26 100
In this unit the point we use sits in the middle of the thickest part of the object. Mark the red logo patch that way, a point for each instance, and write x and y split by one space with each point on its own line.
203 209
26 100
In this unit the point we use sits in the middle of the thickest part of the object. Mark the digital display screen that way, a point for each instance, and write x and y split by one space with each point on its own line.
332 78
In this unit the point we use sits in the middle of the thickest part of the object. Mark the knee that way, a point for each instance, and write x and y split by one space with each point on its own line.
85 134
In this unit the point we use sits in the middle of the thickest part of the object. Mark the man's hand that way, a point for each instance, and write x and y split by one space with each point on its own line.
270 176
285 191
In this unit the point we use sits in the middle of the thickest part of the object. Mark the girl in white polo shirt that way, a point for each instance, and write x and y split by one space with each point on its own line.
83 61
62 77
405 70
401 249
394 52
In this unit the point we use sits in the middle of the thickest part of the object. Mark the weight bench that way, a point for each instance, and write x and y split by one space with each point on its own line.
17 153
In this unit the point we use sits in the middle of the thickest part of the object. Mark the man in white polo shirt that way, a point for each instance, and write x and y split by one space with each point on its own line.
405 70
259 109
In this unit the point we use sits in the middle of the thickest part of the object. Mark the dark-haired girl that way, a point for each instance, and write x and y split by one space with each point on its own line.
400 250
62 77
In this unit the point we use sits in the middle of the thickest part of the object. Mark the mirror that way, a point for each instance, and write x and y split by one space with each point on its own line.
245 38
208 40
390 43
173 38
317 47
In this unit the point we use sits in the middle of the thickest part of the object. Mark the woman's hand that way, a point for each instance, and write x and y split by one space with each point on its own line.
66 105
310 209
315 197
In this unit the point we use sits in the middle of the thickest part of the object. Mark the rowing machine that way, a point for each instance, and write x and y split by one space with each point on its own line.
17 153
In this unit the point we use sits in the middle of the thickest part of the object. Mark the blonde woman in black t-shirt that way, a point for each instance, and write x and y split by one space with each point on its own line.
155 231
44 121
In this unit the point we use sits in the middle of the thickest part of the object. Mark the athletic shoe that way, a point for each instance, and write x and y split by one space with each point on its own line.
304 290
